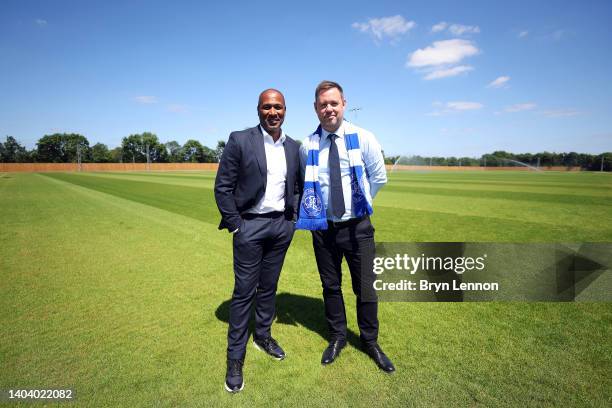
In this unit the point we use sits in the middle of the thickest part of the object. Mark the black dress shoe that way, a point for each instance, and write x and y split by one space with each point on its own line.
332 351
270 346
380 358
233 377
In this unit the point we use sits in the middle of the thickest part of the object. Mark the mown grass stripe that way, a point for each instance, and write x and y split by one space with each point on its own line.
208 175
599 188
408 225
197 203
566 179
145 178
591 217
507 195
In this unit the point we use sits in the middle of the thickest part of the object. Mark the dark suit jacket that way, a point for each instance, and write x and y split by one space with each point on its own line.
242 175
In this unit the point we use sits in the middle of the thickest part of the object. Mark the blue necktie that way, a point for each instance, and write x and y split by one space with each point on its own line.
335 179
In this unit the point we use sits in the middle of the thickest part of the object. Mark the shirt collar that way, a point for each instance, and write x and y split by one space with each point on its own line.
265 134
339 132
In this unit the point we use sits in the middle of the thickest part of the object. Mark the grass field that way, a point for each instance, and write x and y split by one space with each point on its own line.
118 284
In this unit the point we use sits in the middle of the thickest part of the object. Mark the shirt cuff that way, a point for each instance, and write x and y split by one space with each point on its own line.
374 187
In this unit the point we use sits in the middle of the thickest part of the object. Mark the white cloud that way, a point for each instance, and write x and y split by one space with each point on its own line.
558 113
460 29
455 29
454 107
463 106
441 26
41 22
500 82
391 27
448 72
442 58
146 99
523 34
442 53
519 107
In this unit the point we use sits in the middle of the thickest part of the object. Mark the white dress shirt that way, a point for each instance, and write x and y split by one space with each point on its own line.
373 162
274 196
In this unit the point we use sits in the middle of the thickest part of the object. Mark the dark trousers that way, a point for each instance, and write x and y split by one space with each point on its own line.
355 242
259 251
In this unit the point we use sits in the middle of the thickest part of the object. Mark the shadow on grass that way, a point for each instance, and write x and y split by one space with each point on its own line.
296 310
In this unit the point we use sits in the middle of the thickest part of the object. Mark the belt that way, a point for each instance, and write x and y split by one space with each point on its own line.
273 214
347 223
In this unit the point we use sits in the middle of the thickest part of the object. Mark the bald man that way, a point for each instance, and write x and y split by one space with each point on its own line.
256 190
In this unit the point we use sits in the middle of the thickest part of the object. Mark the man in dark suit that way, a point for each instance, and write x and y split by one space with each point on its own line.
256 190
350 170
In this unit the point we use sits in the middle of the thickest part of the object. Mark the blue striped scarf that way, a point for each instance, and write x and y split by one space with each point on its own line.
312 214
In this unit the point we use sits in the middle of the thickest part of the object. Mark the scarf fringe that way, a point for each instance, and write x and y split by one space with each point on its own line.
311 224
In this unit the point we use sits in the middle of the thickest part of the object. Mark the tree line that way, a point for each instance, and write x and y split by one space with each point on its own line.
502 158
137 148
69 147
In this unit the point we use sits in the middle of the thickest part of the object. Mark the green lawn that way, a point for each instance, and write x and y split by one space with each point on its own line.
118 284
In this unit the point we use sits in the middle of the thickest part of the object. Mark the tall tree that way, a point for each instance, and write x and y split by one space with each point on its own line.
134 148
193 151
209 155
174 152
100 153
12 152
63 148
116 155
157 151
603 162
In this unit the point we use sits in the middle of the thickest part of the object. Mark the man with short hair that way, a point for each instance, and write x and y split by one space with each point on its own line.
344 169
256 190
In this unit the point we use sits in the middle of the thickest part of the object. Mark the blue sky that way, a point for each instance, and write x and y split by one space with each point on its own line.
431 77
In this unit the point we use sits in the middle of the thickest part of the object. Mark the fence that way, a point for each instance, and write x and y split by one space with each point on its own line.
49 167
477 168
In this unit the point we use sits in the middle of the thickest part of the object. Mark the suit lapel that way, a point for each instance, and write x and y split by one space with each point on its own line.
287 156
290 159
259 150
289 163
